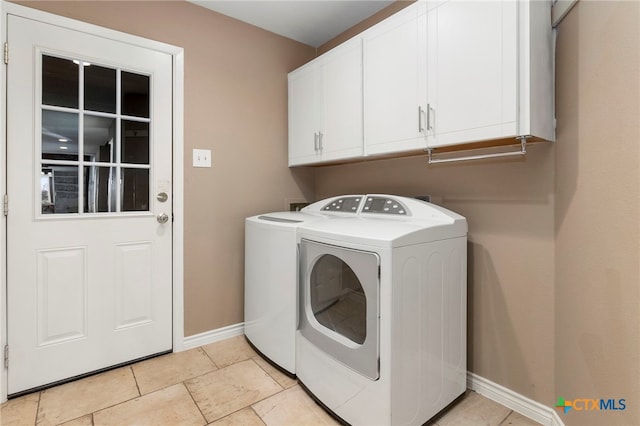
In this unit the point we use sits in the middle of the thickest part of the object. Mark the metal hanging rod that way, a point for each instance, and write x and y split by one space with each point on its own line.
522 151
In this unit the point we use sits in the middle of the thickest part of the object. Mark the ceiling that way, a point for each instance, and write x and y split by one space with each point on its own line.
312 22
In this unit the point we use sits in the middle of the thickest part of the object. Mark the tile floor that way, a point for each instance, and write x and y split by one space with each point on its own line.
224 383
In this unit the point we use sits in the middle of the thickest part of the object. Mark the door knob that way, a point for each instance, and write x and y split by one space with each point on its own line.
162 218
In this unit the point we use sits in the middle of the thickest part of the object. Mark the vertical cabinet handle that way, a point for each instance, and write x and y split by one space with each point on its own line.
320 135
420 128
315 141
429 124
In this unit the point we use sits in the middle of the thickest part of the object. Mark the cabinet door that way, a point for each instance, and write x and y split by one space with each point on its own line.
303 115
340 73
395 82
472 69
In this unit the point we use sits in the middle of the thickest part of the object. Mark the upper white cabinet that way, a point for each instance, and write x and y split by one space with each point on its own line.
489 71
472 65
304 115
325 107
395 82
436 74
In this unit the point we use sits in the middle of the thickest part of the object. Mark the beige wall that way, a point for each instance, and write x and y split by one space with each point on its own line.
597 210
235 105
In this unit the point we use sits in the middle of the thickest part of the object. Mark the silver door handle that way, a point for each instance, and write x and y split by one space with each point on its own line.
162 218
320 140
420 128
429 124
315 141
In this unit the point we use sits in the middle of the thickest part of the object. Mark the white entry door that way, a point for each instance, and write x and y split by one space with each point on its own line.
89 226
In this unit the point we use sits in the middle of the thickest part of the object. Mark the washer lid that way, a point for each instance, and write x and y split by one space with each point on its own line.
284 219
278 219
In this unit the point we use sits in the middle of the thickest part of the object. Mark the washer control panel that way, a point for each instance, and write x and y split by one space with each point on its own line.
344 204
384 205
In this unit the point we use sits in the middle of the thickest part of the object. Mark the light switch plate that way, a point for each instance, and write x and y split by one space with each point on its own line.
201 158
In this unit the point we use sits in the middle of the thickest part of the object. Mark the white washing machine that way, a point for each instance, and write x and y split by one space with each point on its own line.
271 284
382 328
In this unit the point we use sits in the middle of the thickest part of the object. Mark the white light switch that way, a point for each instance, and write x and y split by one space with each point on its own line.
201 158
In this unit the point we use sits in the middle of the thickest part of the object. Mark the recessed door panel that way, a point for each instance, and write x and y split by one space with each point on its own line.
133 284
62 295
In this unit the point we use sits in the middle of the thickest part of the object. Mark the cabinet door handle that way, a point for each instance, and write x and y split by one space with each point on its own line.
315 141
320 135
429 125
420 128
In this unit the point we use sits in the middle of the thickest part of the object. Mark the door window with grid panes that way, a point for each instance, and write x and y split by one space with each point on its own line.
95 145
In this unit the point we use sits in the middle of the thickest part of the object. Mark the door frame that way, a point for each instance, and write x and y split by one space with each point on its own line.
177 54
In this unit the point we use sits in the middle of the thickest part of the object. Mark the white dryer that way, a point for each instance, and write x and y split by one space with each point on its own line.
382 329
271 284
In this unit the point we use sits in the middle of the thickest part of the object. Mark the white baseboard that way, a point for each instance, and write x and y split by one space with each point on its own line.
510 399
212 336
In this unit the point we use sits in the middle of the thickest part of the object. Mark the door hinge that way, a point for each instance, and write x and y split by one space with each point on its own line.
5 205
6 356
6 52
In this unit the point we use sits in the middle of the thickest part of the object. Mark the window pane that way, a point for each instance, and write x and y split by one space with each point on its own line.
135 94
135 142
59 187
100 189
59 135
59 82
337 298
99 138
135 190
99 89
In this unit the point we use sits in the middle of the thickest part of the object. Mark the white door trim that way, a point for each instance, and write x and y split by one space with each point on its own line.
178 166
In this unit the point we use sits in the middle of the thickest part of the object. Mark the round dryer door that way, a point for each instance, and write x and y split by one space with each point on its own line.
339 304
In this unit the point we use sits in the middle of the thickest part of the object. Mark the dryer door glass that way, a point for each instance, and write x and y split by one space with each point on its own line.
338 300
